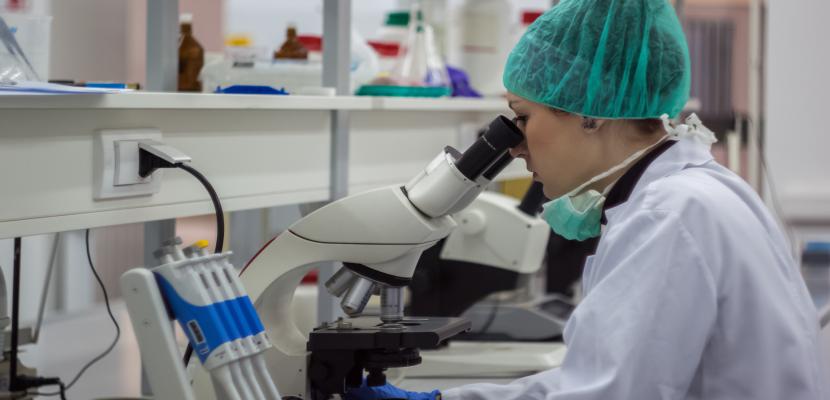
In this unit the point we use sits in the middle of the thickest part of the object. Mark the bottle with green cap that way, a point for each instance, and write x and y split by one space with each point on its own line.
395 29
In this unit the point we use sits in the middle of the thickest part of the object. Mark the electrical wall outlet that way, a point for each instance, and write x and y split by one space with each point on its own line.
116 164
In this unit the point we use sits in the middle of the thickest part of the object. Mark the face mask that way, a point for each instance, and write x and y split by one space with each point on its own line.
578 216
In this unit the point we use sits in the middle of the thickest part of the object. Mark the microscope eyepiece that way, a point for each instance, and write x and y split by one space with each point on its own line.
496 167
501 135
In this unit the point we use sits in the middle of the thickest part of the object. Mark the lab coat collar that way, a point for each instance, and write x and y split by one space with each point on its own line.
687 152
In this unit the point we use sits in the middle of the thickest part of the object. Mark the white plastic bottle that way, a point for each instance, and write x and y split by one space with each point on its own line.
485 40
395 29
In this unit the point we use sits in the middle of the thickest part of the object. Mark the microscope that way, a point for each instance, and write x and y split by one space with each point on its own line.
379 236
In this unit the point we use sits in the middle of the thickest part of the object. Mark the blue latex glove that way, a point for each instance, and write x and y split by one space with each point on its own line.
387 392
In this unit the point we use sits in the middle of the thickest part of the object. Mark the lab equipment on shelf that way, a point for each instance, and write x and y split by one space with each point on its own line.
420 70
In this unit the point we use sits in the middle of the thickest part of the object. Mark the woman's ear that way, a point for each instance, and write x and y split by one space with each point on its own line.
592 125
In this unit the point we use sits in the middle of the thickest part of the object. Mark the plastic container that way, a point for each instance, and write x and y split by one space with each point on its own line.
295 76
387 55
485 40
314 44
365 64
240 49
395 29
32 34
815 267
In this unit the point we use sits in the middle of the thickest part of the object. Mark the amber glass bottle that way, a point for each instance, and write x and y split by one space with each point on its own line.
292 48
191 58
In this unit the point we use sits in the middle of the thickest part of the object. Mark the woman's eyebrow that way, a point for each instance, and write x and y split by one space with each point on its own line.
512 102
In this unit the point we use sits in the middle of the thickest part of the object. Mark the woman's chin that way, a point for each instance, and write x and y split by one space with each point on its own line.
548 190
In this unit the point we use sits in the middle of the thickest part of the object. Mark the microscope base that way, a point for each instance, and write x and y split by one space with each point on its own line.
341 351
488 360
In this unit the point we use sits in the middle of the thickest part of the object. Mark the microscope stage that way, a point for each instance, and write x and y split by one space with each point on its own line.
368 333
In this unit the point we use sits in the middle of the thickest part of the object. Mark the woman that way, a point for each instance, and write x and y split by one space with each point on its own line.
692 292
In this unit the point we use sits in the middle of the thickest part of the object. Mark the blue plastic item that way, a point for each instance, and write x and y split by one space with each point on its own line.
107 85
815 262
251 89
249 312
461 83
386 392
202 324
818 247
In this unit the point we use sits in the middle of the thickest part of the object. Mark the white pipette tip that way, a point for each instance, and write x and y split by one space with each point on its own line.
222 375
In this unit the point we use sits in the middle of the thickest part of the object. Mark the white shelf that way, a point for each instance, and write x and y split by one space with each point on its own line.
258 151
207 101
496 105
186 101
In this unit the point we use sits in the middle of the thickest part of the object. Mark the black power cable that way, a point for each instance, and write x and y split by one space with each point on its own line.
13 382
112 317
217 206
220 228
21 383
149 162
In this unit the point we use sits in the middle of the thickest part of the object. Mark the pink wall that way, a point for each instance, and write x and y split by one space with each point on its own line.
105 40
739 15
207 21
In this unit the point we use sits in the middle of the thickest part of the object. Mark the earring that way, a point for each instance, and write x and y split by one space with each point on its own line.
589 123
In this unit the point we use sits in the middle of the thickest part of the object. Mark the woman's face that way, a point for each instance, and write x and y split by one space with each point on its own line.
557 150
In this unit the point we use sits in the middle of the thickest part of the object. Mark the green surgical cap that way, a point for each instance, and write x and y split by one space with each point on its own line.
604 59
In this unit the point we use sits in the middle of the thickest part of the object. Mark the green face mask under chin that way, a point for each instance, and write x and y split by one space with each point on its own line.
577 217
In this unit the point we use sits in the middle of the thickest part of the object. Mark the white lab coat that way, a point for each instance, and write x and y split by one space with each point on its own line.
692 294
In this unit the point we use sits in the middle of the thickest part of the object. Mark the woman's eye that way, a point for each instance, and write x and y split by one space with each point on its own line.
520 120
